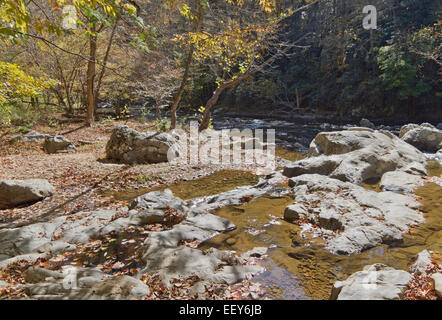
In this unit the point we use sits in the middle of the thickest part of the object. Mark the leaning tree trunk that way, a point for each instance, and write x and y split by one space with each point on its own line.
180 92
205 120
90 79
103 68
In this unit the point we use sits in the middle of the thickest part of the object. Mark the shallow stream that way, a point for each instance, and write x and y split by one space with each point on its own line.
298 268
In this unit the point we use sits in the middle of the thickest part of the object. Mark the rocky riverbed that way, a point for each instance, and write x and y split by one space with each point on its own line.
359 204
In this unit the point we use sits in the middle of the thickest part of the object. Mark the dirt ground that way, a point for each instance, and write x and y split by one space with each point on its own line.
82 180
81 177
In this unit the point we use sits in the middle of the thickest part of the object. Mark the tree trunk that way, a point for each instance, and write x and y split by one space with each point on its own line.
205 121
180 92
103 67
91 78
298 104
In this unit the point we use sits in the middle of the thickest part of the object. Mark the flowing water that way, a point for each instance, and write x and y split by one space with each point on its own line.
220 181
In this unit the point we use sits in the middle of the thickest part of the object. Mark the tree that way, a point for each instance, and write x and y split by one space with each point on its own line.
238 49
20 20
15 85
398 73
197 16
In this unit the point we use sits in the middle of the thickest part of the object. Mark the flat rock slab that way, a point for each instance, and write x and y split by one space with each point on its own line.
17 192
209 266
398 181
58 233
163 252
82 284
375 282
363 218
229 198
31 136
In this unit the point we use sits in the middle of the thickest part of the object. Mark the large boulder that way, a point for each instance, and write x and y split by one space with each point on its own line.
17 192
375 282
354 218
130 146
424 137
357 155
58 144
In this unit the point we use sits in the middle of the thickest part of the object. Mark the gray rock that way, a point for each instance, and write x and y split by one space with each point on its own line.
36 274
437 283
6 261
367 123
84 284
158 241
427 125
324 165
158 200
130 146
439 155
294 212
398 181
375 282
183 261
211 222
255 252
423 261
147 216
425 137
16 192
356 155
121 287
31 136
59 233
408 127
366 218
439 126
58 144
228 198
162 252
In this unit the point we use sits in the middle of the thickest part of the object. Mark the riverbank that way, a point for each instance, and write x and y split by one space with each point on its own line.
227 218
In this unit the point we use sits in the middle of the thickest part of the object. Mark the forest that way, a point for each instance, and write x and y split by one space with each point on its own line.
220 150
289 57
